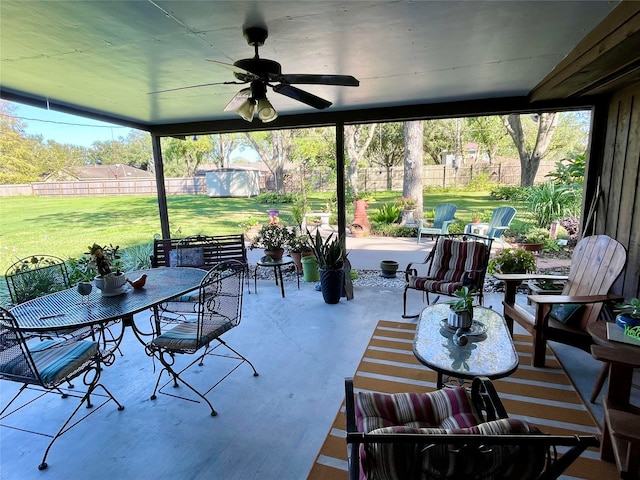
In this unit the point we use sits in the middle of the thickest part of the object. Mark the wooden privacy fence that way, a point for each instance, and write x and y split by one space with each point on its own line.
369 180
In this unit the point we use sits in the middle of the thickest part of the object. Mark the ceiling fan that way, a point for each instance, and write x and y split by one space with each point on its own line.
260 73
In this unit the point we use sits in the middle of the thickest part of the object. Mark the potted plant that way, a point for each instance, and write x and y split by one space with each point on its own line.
106 261
461 309
272 238
298 247
330 255
534 239
512 260
629 313
476 216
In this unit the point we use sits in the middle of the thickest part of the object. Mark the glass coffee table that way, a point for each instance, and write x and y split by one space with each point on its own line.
489 351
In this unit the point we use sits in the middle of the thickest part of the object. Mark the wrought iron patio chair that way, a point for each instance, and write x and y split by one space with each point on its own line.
189 329
444 216
34 276
45 366
456 260
450 434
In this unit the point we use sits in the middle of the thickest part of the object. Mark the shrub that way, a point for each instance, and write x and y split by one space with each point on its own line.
457 226
392 230
273 197
570 170
549 201
537 235
503 192
387 213
481 183
512 260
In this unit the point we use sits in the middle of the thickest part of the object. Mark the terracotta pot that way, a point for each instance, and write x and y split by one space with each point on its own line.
532 247
275 254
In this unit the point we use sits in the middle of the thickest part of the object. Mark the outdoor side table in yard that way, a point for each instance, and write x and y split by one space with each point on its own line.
277 271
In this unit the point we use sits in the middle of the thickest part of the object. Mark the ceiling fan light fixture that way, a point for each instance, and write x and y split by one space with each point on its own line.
266 112
246 109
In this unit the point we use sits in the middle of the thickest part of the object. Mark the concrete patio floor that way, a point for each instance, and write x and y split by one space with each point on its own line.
268 427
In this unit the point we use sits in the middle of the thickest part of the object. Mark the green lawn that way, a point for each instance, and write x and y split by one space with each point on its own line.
67 226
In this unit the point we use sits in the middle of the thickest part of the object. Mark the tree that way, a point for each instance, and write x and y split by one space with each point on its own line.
19 152
182 157
387 148
439 136
531 153
413 160
222 145
357 140
274 148
489 134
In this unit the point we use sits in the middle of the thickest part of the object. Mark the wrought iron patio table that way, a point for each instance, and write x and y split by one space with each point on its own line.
490 353
63 310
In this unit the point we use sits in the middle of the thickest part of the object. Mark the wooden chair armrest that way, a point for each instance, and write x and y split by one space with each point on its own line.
622 424
613 355
527 276
555 299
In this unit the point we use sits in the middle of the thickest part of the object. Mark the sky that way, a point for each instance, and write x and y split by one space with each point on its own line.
64 128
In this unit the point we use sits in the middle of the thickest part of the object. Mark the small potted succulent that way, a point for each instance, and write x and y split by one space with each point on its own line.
106 261
629 313
461 309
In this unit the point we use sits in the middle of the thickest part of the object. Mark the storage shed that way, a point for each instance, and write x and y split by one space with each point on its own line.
233 182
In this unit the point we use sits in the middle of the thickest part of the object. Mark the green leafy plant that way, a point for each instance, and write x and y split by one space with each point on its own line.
406 203
549 201
537 235
249 222
630 307
299 244
272 237
387 213
330 253
463 301
105 259
430 214
512 260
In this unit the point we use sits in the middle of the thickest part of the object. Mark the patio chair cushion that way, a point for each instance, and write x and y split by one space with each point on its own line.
396 461
453 266
54 360
446 408
184 336
567 313
187 257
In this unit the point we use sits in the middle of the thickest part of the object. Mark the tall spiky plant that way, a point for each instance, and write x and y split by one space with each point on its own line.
330 253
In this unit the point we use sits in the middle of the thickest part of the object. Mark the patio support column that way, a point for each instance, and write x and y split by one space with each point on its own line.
340 178
593 170
162 192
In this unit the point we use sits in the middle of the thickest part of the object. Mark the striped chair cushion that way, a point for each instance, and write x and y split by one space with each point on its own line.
451 261
54 360
184 336
442 461
445 408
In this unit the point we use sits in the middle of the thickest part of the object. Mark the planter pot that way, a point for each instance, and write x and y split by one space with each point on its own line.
310 269
111 284
388 268
297 259
331 285
275 254
460 319
624 320
532 247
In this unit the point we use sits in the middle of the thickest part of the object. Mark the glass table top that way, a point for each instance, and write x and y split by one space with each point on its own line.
491 354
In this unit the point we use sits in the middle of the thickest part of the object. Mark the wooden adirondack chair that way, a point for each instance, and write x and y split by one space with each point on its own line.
596 263
500 220
444 216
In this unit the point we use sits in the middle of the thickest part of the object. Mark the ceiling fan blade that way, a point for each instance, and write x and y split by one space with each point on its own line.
340 80
195 86
302 96
234 69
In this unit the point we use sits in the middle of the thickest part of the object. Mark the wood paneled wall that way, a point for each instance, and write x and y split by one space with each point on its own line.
618 211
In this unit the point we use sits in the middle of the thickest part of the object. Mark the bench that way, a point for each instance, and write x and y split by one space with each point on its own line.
199 251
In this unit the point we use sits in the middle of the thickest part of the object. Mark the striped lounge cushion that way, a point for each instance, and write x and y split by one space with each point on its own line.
399 461
54 360
452 259
445 408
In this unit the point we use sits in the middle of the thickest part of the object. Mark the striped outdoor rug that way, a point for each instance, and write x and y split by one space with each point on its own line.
544 397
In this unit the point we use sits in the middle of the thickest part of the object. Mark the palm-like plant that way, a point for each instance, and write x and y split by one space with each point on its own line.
330 253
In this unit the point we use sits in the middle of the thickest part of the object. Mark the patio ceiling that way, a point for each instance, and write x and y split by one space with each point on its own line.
103 59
